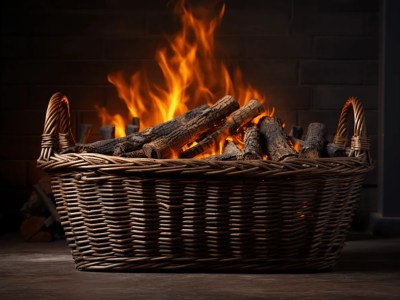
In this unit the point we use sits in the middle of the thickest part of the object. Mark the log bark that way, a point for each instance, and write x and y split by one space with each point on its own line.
237 119
296 132
138 139
252 144
335 150
314 141
107 132
274 140
172 143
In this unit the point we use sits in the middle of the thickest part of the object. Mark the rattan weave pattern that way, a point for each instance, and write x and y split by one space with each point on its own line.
122 214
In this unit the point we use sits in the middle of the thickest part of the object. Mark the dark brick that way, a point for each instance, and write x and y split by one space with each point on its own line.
162 23
288 118
263 74
283 6
329 118
138 48
33 172
254 23
21 122
373 25
86 24
13 97
13 172
371 73
47 72
371 120
65 4
346 48
278 47
14 47
289 98
348 6
328 24
80 97
66 47
229 47
12 23
333 97
329 72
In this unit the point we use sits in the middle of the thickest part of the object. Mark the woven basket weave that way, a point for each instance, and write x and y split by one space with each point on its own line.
123 214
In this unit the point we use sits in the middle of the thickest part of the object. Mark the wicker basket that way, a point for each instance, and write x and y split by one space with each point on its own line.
123 214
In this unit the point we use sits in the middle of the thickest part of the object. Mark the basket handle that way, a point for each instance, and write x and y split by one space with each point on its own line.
57 134
359 145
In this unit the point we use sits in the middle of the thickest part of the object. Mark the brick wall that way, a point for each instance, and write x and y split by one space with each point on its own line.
306 56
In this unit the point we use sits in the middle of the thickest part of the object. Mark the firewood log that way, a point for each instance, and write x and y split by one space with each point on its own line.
314 141
274 139
237 119
252 145
296 132
172 143
335 150
107 132
138 139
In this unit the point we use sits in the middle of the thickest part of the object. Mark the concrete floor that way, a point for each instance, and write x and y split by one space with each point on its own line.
368 269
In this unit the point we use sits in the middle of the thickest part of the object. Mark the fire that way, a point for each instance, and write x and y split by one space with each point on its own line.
192 75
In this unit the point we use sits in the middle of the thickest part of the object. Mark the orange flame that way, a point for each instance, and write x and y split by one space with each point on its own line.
192 75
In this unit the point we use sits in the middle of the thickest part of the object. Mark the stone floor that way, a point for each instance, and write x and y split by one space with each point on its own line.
368 269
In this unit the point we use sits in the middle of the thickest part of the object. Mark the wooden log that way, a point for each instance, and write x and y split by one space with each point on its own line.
334 150
172 143
274 139
107 132
138 139
296 132
252 145
314 141
134 127
237 119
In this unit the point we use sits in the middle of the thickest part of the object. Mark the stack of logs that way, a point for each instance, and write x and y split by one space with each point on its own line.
245 133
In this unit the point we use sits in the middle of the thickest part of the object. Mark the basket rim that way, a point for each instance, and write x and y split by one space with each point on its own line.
85 162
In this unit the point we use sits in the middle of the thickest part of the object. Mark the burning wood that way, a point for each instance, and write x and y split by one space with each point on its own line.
239 133
167 146
314 142
252 145
136 140
275 142
237 119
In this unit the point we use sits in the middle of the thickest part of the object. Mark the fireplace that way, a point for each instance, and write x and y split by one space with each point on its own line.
306 57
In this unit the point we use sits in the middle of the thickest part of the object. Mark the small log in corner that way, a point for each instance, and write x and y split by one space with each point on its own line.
274 140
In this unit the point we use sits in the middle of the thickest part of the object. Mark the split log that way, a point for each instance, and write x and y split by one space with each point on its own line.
237 119
314 141
274 138
172 143
134 127
107 132
138 139
296 132
252 145
335 150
